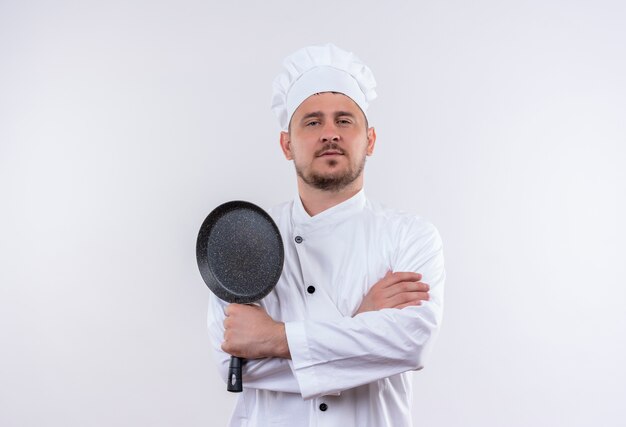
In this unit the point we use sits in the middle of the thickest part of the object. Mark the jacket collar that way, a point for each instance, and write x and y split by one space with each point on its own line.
338 213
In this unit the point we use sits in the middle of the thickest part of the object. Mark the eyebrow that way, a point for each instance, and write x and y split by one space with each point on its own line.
343 113
316 114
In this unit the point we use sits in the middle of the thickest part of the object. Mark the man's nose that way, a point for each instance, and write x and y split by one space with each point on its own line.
329 133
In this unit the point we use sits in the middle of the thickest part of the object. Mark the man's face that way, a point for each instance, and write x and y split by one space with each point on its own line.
328 141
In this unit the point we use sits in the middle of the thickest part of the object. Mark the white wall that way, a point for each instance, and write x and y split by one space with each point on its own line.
122 124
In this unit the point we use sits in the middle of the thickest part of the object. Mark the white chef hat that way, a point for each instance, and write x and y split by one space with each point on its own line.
316 69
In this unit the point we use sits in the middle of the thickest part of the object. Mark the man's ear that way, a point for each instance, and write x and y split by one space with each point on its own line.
371 141
285 145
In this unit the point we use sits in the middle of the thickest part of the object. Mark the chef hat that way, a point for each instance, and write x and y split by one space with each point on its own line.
316 69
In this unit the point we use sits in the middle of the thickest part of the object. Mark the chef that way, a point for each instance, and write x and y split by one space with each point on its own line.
360 298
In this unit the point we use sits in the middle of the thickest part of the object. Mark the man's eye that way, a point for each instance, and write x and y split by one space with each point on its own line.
344 121
313 123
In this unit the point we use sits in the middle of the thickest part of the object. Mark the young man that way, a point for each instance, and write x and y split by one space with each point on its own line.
360 297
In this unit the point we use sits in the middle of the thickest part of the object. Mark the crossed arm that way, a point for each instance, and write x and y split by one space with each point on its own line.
249 332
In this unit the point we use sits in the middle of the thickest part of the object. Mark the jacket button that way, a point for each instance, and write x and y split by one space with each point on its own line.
323 407
298 239
310 289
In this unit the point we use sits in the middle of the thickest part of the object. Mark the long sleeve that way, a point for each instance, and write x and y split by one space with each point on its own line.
269 374
332 356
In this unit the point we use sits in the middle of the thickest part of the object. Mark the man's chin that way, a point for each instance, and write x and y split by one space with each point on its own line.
330 167
328 175
330 181
329 178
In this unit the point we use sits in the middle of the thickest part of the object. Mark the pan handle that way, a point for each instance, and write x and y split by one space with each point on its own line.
234 382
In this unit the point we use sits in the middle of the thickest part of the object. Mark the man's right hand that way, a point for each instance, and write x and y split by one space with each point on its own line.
395 290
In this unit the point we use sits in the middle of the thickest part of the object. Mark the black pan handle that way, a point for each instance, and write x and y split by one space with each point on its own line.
234 382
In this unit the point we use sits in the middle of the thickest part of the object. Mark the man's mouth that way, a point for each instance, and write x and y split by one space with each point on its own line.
331 153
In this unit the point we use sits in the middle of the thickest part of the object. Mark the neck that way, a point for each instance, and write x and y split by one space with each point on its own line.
316 201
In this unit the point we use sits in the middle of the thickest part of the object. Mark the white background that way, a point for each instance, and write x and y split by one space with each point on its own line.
123 123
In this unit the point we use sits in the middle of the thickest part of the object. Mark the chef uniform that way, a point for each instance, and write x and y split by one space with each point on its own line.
345 369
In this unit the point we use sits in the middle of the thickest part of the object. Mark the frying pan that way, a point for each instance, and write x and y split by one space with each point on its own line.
240 255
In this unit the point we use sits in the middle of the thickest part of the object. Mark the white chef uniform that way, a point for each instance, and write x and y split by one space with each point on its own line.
345 371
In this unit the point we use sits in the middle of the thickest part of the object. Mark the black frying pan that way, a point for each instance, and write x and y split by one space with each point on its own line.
240 255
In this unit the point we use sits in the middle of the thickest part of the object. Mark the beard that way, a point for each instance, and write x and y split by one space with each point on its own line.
332 181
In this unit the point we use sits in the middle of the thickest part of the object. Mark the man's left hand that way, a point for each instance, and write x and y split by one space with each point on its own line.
249 332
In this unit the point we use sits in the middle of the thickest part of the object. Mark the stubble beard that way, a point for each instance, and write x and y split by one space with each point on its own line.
333 181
